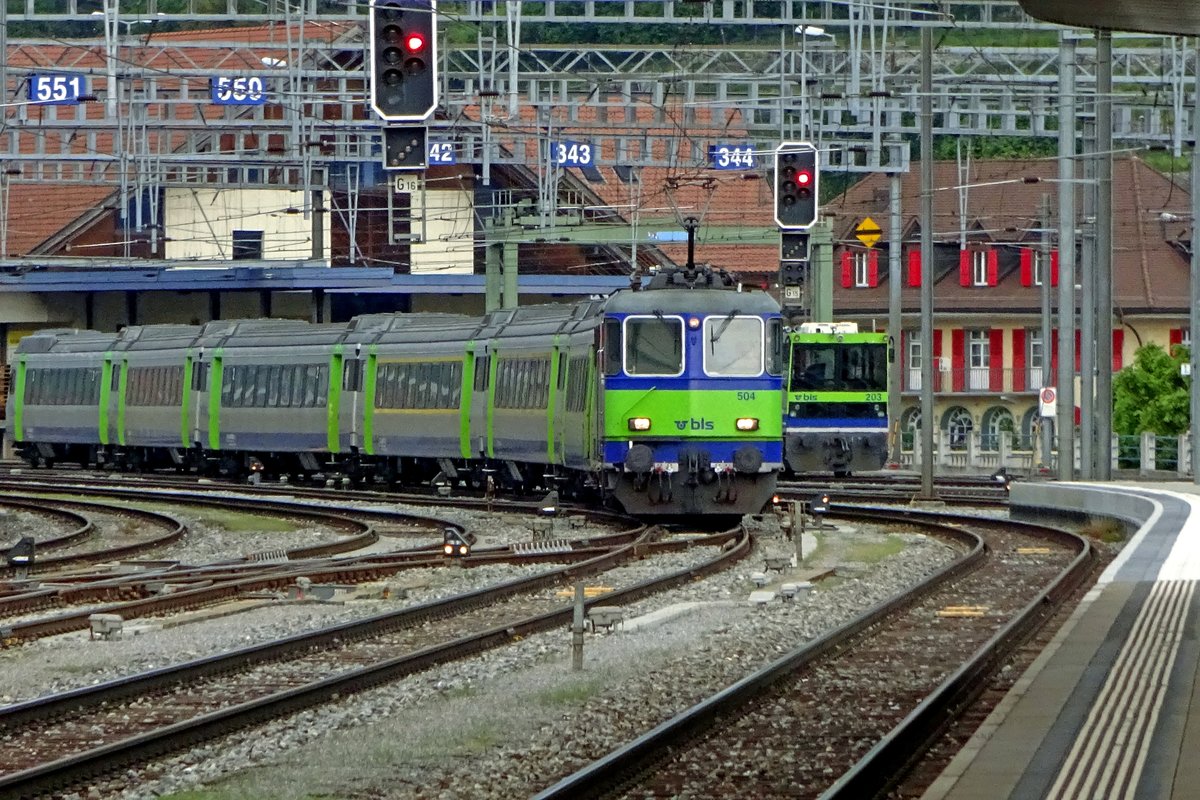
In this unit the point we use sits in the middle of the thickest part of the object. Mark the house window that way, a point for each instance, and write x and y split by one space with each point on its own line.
862 268
1035 357
996 422
247 245
979 267
978 349
979 356
958 425
912 363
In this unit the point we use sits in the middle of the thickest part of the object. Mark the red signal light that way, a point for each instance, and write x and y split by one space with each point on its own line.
414 42
804 178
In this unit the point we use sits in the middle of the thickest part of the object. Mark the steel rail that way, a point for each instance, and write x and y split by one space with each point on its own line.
54 775
638 755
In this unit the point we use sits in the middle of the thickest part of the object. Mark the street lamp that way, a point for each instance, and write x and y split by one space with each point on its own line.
805 32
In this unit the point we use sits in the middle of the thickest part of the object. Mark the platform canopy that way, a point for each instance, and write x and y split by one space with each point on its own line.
1144 16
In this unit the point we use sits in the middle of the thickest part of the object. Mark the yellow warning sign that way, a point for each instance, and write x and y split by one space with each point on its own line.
588 591
868 232
962 611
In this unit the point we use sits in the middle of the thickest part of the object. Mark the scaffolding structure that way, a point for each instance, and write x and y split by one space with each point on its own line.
844 75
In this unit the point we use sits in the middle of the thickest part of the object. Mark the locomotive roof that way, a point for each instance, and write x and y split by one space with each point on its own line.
688 301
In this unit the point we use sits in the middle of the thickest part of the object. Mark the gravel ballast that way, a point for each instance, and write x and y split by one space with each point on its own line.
509 722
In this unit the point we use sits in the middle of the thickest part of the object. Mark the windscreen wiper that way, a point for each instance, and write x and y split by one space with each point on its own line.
724 324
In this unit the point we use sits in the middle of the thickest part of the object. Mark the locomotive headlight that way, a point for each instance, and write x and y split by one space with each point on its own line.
639 423
747 424
448 549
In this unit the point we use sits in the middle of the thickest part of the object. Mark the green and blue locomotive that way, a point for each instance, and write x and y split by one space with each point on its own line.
837 392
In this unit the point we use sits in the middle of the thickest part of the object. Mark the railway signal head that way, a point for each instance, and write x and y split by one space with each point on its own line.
20 555
819 504
796 182
403 55
455 544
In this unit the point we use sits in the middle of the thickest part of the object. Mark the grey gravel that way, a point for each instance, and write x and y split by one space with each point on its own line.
511 721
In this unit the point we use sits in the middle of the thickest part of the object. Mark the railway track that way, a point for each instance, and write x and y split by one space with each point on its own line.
76 596
68 739
851 712
899 489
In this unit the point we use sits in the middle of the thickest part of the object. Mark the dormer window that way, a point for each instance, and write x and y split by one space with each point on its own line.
979 268
862 269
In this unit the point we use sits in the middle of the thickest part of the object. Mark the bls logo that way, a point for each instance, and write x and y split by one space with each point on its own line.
701 424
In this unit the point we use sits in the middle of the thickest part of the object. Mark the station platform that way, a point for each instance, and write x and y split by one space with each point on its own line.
1111 709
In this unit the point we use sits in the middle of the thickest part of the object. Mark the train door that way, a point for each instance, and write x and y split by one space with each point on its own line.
190 408
555 416
573 429
120 385
350 408
479 425
110 375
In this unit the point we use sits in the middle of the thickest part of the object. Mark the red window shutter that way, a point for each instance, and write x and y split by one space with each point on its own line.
1054 268
1118 345
996 354
1018 359
958 358
914 267
1026 267
993 267
937 345
1176 337
1078 349
964 267
872 267
847 269
1053 350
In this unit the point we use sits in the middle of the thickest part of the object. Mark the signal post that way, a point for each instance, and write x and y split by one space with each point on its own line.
404 77
796 198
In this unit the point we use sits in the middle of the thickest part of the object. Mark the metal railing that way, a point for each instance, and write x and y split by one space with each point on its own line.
978 452
977 380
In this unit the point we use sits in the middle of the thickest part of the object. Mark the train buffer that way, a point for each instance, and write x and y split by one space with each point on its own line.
777 563
607 617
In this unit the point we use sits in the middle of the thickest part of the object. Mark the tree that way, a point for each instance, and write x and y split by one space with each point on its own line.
1151 395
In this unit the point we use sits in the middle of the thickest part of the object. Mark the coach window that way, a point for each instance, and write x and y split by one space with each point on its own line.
654 346
733 345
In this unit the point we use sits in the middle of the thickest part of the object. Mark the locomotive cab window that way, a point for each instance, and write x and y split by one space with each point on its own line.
775 343
654 346
612 347
733 345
